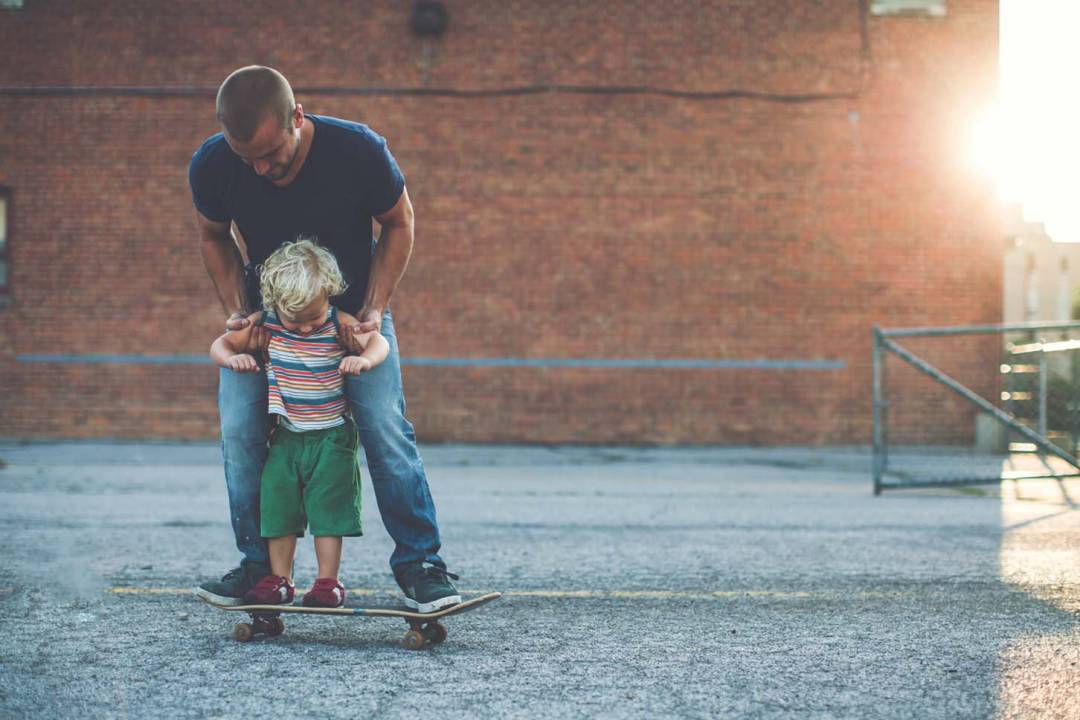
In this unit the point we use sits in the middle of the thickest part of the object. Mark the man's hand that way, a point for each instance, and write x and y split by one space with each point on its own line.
354 365
369 320
237 321
258 341
242 363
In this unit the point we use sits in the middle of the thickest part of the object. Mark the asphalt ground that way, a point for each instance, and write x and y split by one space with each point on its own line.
687 583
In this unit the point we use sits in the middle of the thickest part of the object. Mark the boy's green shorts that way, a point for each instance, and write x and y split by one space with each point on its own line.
311 478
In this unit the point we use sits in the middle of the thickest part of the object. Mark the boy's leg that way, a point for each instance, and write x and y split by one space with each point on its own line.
328 553
245 427
276 588
281 515
327 590
282 551
397 474
332 503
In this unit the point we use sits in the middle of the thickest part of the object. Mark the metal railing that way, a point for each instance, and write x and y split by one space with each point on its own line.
936 440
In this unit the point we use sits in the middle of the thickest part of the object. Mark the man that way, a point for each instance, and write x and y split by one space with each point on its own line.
279 174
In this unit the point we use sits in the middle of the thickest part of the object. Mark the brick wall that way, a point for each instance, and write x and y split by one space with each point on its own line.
549 225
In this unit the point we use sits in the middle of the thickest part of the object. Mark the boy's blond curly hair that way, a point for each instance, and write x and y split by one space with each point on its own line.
297 274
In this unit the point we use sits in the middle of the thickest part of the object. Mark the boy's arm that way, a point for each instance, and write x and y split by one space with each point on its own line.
373 347
228 350
376 348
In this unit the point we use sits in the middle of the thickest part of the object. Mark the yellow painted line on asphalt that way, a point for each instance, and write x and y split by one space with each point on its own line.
655 594
147 591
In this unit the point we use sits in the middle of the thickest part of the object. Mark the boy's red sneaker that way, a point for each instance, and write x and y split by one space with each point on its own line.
326 592
271 590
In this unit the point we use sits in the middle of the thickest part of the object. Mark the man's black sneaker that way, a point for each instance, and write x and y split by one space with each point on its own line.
230 590
427 589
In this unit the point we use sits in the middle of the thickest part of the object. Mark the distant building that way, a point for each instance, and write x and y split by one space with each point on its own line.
1042 276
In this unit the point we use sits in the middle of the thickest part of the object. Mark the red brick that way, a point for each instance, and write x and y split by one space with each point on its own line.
548 225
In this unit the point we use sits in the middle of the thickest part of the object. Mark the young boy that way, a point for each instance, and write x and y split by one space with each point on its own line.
311 474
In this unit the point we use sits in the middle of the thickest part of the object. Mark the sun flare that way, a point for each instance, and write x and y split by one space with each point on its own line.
1029 142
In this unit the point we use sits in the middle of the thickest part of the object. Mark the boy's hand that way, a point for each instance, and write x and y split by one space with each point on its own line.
354 365
242 363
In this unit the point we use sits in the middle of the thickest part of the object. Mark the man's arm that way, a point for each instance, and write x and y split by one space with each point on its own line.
391 258
223 264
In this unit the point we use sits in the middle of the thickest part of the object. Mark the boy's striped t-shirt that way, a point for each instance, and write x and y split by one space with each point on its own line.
305 384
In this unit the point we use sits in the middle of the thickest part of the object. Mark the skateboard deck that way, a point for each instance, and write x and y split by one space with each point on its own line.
424 628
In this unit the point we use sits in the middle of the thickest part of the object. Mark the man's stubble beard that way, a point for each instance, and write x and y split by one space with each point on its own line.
288 166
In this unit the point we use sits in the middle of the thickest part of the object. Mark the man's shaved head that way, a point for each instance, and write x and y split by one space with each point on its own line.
249 96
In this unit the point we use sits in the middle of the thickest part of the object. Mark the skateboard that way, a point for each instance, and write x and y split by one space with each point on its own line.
423 627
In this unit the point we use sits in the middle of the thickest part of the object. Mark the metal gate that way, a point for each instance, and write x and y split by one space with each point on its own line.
956 406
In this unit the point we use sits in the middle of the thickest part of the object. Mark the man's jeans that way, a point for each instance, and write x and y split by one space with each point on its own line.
397 473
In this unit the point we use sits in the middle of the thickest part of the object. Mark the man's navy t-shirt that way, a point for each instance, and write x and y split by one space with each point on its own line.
348 176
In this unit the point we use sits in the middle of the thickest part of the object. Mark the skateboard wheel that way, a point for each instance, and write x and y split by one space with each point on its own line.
435 632
276 626
243 632
414 640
